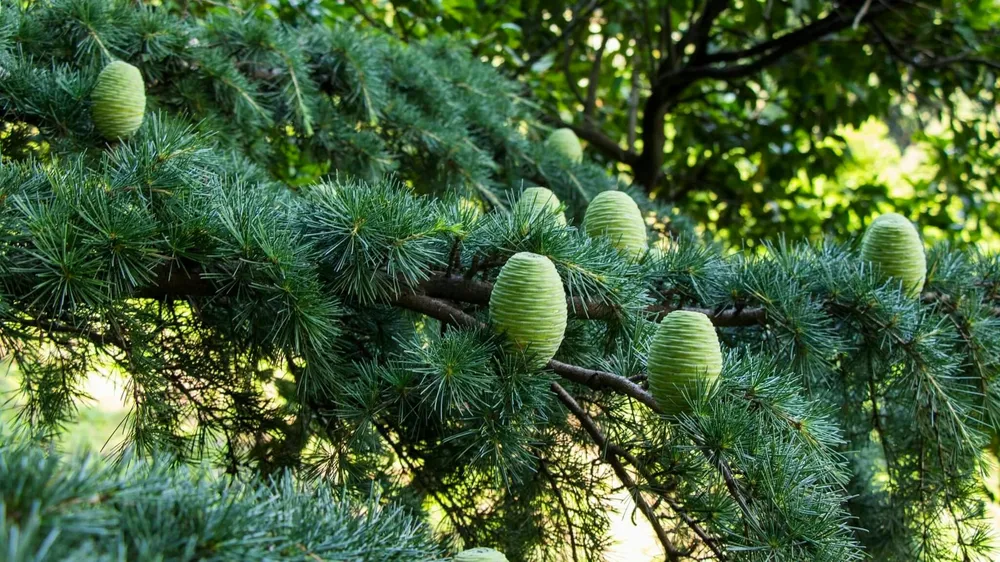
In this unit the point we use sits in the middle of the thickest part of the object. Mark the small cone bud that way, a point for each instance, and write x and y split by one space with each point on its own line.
893 244
614 214
528 304
119 101
480 555
537 200
565 142
684 354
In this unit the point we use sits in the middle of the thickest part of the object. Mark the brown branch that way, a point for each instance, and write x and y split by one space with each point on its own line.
670 83
579 15
360 9
99 339
700 32
478 292
931 297
733 486
727 317
428 299
602 380
593 78
676 507
689 75
814 30
667 51
861 14
453 511
457 288
772 51
936 62
562 503
646 169
436 308
879 428
177 283
980 61
611 456
633 107
644 41
568 71
614 449
591 378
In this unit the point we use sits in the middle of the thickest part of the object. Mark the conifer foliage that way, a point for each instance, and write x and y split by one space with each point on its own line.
291 265
81 509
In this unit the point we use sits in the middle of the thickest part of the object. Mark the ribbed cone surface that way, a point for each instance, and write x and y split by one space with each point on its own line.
614 214
536 200
480 555
565 142
119 101
685 350
529 304
893 244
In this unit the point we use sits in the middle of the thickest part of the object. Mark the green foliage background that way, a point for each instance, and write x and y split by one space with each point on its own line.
804 146
289 266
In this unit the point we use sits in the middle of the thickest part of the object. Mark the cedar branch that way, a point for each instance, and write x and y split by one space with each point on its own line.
611 456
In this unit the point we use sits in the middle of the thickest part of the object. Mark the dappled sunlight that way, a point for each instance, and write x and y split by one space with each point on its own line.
500 281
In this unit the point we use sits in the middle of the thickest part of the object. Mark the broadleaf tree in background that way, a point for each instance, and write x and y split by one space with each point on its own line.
754 115
290 266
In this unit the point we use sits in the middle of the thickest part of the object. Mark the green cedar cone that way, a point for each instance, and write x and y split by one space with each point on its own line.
615 214
529 304
684 352
480 555
564 142
119 101
893 244
537 200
